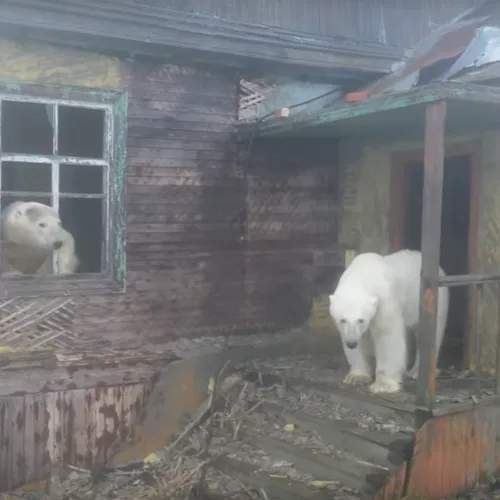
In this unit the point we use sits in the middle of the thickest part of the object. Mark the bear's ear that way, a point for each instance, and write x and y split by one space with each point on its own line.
331 298
373 300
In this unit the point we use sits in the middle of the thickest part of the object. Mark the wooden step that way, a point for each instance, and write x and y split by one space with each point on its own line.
380 447
274 487
350 472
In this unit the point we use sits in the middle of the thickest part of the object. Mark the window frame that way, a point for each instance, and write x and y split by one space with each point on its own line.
116 103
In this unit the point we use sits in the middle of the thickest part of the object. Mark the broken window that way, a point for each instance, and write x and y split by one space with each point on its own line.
61 153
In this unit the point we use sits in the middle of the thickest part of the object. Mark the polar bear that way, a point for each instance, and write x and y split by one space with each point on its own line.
31 232
375 304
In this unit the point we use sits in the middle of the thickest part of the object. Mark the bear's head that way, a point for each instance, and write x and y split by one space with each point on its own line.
32 225
353 310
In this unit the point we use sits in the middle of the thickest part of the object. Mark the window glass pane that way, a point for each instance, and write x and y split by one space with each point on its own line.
27 128
86 179
84 219
20 176
81 132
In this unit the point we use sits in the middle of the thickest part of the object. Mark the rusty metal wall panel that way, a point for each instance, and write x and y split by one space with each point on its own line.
77 427
453 453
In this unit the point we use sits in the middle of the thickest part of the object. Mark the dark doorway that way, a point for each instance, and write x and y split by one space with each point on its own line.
455 224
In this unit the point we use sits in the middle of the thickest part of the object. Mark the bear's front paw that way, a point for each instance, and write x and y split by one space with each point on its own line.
386 385
354 378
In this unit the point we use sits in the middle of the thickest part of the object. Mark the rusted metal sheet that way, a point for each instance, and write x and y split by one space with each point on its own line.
77 427
465 49
450 42
394 489
453 453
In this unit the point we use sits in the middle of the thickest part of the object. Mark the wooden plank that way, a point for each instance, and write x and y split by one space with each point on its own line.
335 433
18 456
401 412
348 472
29 439
68 424
78 457
43 464
275 488
5 443
434 152
91 422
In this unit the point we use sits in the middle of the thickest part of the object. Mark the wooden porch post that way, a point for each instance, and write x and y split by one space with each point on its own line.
431 243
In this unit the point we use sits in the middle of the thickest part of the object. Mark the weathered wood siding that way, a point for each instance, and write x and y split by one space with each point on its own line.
291 237
365 193
214 243
74 427
185 192
395 23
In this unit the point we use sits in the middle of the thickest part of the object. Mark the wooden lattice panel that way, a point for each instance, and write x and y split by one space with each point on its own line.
27 324
252 93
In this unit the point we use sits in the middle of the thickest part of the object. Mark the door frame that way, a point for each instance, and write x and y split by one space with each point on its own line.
397 216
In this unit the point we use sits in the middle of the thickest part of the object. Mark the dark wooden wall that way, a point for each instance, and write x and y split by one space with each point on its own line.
216 241
184 192
292 230
402 22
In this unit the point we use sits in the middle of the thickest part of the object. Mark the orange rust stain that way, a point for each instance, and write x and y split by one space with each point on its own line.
34 487
163 420
452 453
393 490
433 375
429 301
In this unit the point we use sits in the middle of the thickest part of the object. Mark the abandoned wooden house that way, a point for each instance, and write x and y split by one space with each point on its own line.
121 114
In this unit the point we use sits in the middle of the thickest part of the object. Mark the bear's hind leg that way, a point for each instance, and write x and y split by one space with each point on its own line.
390 352
359 363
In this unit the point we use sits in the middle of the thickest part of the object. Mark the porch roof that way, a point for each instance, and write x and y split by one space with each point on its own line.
396 116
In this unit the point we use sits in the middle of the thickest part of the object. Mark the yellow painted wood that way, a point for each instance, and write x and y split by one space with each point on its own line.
320 318
41 63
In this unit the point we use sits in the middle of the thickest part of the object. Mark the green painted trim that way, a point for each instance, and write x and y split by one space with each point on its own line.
61 92
117 190
114 279
342 111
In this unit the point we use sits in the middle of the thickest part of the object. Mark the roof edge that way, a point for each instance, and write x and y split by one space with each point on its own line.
152 30
342 110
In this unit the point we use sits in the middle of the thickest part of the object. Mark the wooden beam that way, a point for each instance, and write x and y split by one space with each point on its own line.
431 243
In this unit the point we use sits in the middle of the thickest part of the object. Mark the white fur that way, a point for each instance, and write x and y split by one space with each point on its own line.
31 233
375 303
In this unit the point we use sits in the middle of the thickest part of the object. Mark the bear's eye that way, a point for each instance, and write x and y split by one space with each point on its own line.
342 321
42 224
361 321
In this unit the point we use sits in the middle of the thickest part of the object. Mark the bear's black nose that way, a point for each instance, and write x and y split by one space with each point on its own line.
351 345
57 245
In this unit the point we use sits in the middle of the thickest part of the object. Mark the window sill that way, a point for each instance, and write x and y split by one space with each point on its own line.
50 286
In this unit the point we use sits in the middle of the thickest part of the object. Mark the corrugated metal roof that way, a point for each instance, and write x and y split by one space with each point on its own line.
466 44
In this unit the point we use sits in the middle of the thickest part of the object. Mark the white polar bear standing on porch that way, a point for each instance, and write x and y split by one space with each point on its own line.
31 233
376 301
